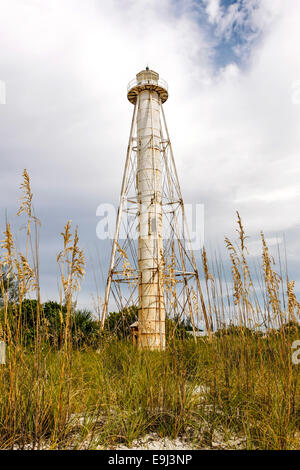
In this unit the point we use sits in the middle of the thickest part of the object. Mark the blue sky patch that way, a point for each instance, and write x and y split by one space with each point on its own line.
232 34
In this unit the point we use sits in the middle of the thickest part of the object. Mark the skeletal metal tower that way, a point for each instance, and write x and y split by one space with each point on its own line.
152 264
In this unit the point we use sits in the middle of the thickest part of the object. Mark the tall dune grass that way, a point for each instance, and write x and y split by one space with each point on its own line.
235 389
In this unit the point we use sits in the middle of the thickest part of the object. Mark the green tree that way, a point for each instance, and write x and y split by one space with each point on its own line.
84 329
118 323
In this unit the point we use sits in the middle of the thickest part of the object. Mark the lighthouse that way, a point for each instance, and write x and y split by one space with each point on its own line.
147 92
151 194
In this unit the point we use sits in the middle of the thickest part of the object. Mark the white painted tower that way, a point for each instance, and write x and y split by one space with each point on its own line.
148 93
151 175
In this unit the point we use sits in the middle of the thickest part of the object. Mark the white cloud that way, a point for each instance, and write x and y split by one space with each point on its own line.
213 10
235 131
279 195
254 247
245 20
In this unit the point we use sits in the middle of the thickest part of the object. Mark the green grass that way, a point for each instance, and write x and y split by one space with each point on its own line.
118 394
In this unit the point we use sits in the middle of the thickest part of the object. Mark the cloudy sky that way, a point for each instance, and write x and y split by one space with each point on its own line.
233 69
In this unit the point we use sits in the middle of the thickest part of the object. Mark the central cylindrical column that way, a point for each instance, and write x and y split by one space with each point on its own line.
150 248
